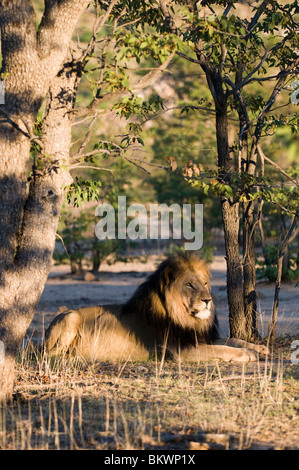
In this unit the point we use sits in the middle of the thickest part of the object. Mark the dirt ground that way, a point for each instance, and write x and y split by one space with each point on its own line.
116 283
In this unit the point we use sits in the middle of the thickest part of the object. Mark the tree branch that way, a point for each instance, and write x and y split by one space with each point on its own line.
55 30
255 18
98 25
147 80
244 82
150 77
282 74
277 167
92 168
190 59
168 17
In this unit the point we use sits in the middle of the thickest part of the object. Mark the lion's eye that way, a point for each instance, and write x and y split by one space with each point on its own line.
189 285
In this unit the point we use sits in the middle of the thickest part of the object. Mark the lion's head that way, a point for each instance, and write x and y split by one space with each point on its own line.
177 297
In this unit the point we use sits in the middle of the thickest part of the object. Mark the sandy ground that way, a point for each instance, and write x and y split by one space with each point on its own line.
116 283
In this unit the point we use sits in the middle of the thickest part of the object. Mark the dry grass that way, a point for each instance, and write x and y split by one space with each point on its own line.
69 404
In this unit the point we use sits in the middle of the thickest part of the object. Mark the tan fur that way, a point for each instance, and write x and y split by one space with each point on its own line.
172 311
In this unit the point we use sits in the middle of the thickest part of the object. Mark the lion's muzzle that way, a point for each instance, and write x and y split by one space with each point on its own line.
203 310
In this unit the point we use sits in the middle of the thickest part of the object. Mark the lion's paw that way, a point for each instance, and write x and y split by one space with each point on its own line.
246 355
262 349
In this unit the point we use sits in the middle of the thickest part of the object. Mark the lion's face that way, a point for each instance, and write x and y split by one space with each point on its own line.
187 294
195 295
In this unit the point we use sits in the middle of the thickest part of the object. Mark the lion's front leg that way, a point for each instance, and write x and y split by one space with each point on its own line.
239 343
206 352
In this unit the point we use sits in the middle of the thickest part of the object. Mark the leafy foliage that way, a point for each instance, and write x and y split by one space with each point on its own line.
82 191
247 61
78 242
268 268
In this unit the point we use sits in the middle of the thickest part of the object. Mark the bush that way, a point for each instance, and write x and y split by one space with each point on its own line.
268 266
78 242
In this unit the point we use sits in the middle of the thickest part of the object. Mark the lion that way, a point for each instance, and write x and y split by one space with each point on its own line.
171 313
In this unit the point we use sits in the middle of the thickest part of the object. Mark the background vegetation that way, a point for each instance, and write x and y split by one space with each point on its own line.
173 128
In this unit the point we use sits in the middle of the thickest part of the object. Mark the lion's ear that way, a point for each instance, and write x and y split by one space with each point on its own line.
168 275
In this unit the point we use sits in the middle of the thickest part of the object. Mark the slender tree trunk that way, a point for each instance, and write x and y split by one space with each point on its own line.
285 261
290 236
247 164
263 242
230 215
96 256
231 224
249 272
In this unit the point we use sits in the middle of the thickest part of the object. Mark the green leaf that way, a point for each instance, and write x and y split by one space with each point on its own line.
228 191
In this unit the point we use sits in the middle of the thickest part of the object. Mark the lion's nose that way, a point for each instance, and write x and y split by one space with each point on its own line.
208 302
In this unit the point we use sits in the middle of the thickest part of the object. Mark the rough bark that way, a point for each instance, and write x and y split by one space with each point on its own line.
249 271
18 44
230 215
29 212
247 164
249 160
231 224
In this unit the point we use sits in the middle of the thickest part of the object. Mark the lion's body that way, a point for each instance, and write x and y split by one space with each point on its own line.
171 312
99 333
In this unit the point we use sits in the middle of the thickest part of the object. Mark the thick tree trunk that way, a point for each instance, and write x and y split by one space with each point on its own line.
29 213
18 44
25 282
